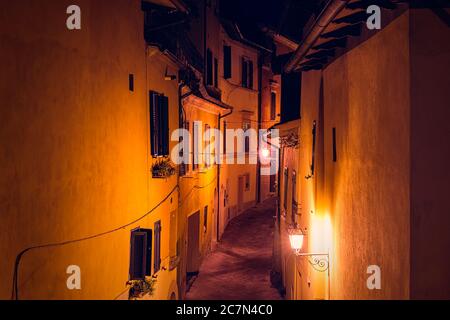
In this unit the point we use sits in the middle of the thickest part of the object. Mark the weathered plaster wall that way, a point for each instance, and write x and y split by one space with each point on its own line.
430 155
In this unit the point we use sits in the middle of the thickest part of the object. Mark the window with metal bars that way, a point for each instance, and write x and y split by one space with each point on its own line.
140 254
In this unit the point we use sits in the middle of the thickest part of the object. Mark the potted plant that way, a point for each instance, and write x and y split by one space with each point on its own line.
140 288
163 169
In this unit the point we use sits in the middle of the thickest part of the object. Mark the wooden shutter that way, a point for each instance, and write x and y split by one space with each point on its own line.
294 196
154 123
244 73
159 124
140 254
273 106
313 153
286 177
227 62
164 126
157 264
250 74
195 155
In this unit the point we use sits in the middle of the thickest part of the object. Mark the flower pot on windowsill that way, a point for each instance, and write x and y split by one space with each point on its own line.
163 169
140 288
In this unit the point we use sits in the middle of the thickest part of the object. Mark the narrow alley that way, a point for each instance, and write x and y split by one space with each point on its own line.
239 268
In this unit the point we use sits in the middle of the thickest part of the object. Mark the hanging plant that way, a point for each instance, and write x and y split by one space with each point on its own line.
163 169
140 288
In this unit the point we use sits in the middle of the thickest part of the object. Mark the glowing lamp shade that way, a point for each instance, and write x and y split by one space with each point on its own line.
265 153
296 239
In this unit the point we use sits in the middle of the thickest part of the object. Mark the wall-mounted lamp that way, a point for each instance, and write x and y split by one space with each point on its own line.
319 261
265 153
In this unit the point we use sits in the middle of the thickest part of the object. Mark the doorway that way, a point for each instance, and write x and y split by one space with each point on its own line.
193 245
241 188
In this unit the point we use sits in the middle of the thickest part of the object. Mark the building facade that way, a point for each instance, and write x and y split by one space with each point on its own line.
355 182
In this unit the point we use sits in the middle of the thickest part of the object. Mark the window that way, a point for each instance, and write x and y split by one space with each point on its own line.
273 105
286 177
131 82
184 166
247 182
205 219
224 140
140 254
314 131
334 146
157 264
206 148
247 73
195 158
294 196
216 73
159 126
246 126
227 62
209 67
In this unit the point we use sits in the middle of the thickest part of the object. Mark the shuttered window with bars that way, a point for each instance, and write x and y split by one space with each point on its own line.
159 124
247 73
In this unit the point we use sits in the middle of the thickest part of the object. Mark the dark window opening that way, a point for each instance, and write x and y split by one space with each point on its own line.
216 73
334 146
313 154
294 197
159 126
247 73
157 264
131 82
209 67
227 62
286 177
195 158
273 105
247 182
140 254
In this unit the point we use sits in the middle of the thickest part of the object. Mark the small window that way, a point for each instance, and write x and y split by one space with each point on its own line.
184 166
247 73
247 182
195 145
334 146
227 62
157 265
285 191
246 126
131 82
209 67
205 219
140 254
159 124
313 154
216 73
273 105
207 143
224 139
294 197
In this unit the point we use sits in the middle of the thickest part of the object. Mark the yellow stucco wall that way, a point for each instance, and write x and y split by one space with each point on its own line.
358 207
75 147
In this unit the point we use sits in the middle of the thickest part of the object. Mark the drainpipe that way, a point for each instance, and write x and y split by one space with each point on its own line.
332 8
218 183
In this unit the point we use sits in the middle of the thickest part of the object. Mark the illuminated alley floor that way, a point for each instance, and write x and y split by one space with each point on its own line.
239 269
